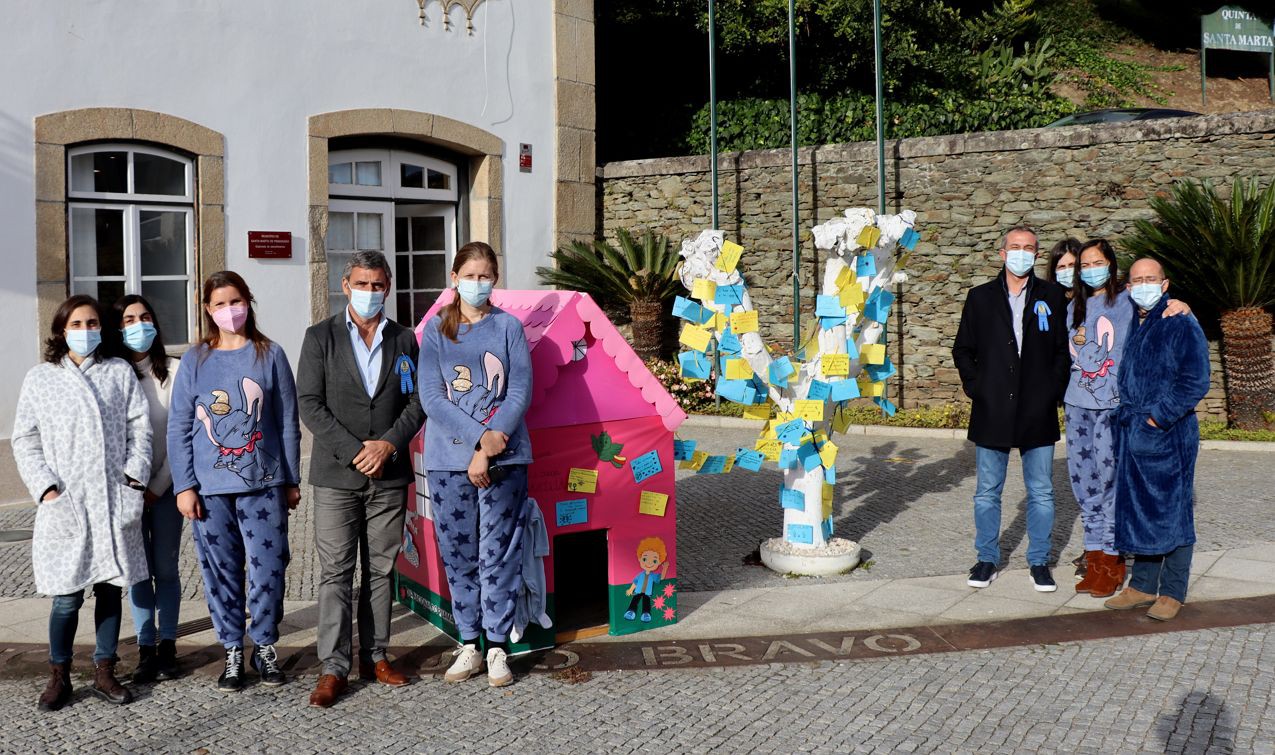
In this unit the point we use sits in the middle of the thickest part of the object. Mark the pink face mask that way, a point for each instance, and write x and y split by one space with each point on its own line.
232 318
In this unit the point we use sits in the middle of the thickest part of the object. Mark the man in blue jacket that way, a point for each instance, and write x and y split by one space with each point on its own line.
1011 351
1165 373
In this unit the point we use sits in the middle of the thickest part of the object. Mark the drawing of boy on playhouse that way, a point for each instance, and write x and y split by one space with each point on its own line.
651 555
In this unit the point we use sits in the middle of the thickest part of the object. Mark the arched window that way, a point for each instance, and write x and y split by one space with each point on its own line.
131 230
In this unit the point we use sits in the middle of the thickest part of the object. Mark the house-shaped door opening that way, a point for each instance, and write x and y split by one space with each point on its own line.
596 409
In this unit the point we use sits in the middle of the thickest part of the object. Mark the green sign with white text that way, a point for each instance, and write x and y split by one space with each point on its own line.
1232 28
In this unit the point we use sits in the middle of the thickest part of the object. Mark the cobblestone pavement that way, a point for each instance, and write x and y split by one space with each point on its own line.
1198 692
906 500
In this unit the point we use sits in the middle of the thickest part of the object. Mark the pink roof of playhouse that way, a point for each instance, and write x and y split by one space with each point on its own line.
555 323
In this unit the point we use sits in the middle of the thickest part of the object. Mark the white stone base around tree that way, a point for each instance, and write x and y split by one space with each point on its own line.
836 557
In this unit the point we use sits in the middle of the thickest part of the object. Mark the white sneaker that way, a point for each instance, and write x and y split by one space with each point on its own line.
498 673
469 661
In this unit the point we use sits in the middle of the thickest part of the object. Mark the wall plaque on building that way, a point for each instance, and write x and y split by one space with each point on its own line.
1234 28
524 158
270 245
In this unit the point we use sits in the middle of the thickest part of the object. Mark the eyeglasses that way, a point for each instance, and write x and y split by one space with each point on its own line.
1152 279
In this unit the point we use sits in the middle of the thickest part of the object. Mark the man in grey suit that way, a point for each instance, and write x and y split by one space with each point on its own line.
357 393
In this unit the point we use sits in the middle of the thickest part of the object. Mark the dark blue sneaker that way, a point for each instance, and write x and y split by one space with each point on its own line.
982 575
266 662
1042 580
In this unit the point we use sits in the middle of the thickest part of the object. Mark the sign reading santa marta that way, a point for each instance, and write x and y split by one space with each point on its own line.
1232 28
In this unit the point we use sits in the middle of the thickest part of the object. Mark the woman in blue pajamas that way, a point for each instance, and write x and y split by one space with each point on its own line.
234 446
475 386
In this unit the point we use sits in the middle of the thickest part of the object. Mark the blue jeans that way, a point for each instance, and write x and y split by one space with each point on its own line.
1038 465
161 594
64 619
1164 574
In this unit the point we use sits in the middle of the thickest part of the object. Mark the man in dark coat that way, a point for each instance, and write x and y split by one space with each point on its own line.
356 390
1011 351
1164 374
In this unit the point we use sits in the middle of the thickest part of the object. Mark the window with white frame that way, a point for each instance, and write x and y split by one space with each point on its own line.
131 229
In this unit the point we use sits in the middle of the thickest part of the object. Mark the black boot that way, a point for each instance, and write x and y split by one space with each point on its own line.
166 666
147 665
58 691
107 687
231 679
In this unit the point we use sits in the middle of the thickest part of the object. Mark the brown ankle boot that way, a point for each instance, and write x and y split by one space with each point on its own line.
1107 578
1091 571
107 687
58 691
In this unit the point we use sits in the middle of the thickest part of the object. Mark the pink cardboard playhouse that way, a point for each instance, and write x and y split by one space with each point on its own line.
602 435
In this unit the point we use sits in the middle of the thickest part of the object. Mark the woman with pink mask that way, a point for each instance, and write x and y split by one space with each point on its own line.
234 446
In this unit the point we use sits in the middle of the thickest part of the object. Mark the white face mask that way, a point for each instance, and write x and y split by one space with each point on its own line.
367 304
475 293
1146 295
1019 261
1065 277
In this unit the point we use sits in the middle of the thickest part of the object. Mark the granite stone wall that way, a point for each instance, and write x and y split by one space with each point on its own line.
1083 181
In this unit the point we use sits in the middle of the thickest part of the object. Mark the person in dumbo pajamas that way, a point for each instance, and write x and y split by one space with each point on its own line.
475 386
234 445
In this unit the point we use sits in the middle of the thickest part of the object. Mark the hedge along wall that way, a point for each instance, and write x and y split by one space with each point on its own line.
1083 181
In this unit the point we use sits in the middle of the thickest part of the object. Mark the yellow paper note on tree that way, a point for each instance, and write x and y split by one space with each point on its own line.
770 447
695 337
652 503
729 258
582 480
872 353
744 322
696 461
717 322
828 454
840 422
835 365
869 389
703 289
757 411
852 297
846 277
826 499
730 462
869 236
809 410
738 369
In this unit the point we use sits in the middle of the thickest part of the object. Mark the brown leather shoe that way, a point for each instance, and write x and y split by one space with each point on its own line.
328 689
1165 608
107 687
383 673
58 691
1108 575
1130 598
1091 571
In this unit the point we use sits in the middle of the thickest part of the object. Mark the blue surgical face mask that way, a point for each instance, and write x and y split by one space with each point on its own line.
1065 277
367 304
83 342
139 336
475 293
1019 261
1095 276
1146 295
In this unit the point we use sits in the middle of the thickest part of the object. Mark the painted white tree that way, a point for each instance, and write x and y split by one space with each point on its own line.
841 357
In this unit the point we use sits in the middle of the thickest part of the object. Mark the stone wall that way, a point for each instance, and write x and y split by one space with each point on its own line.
1084 181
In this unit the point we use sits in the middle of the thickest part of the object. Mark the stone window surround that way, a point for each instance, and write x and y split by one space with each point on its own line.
56 132
486 180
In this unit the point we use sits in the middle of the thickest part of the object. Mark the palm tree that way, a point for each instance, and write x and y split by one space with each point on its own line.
1222 254
640 274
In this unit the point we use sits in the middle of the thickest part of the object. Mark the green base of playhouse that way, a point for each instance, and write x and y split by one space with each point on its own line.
437 610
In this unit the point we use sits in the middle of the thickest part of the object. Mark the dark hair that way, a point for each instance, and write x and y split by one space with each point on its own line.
212 333
159 357
55 348
1063 248
450 323
1084 291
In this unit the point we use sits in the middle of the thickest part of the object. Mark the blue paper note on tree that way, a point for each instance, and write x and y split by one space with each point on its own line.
809 456
830 475
780 370
800 533
572 512
885 405
866 267
909 240
729 343
747 458
713 465
739 391
852 350
683 450
879 372
694 365
819 390
792 499
844 390
878 305
645 466
826 527
829 306
692 311
787 458
729 295
828 323
791 431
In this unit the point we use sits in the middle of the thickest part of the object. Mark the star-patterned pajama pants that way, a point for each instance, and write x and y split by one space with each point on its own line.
480 537
238 530
1091 462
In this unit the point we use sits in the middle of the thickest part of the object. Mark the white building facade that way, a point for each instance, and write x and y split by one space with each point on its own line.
143 143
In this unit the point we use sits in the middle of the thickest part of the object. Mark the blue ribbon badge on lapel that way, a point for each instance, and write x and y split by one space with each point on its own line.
1042 316
404 369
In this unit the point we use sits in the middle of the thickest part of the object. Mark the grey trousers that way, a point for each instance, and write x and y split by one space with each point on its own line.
347 523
